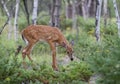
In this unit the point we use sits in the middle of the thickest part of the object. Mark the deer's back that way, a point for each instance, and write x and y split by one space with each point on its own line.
42 32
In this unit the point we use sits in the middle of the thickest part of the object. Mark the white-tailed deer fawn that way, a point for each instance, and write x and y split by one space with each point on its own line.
52 35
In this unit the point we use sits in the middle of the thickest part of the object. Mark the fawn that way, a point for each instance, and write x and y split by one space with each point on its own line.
52 35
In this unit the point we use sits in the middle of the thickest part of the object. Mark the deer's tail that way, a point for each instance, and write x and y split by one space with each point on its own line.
25 40
23 37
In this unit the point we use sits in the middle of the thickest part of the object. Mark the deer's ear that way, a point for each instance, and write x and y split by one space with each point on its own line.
72 42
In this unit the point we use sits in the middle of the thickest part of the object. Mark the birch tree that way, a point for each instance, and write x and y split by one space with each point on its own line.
68 9
8 20
16 20
57 12
26 10
105 12
88 7
117 16
74 18
84 9
97 22
52 21
34 15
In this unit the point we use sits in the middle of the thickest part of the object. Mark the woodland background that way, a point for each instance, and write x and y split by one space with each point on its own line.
93 25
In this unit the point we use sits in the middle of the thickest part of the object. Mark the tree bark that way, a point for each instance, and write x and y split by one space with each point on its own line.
34 15
16 20
83 9
117 16
52 21
105 12
57 13
97 22
74 18
8 20
26 10
68 9
88 7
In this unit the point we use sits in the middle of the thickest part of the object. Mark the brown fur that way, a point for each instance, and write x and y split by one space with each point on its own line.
51 35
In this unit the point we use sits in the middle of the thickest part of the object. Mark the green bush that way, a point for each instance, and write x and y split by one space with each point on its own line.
22 23
12 71
65 24
43 19
86 25
41 48
106 61
102 59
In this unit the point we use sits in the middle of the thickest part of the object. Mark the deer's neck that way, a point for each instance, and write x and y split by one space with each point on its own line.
64 43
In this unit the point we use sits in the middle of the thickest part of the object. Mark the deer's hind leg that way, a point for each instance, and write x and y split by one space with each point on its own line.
26 52
24 56
29 49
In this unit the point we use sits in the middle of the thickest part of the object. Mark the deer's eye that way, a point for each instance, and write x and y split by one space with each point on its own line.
67 52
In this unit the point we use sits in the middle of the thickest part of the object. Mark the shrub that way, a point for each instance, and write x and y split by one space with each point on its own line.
65 23
12 71
22 23
106 61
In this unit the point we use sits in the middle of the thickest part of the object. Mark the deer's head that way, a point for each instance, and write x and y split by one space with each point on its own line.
69 50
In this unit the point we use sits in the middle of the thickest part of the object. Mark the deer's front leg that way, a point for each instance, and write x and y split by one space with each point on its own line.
54 62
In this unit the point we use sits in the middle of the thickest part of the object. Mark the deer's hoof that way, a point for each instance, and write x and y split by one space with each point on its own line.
55 68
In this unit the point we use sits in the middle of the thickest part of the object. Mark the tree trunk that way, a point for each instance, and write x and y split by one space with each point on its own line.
88 8
97 22
68 9
5 8
117 16
92 8
105 12
9 19
84 9
26 10
57 13
74 18
16 20
52 21
10 27
34 15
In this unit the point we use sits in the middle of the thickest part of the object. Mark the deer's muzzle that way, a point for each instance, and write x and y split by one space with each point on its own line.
71 59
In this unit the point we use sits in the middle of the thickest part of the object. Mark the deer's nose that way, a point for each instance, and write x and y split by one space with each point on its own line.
71 59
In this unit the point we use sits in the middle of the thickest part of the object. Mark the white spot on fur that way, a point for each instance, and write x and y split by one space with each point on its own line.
24 50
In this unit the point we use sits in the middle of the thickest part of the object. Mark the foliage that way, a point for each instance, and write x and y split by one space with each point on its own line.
22 23
65 23
95 58
43 18
105 60
12 71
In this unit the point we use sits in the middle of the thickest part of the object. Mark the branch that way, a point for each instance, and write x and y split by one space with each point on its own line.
7 13
4 26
